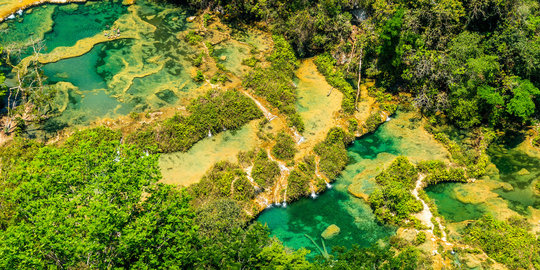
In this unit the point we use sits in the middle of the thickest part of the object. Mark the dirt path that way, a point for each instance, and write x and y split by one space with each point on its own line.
425 216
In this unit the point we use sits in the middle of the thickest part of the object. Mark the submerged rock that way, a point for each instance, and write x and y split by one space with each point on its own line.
330 232
223 58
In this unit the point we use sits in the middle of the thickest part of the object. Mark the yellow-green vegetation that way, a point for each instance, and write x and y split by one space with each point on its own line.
298 184
285 147
275 83
265 171
325 64
224 180
332 152
193 38
420 238
373 121
70 205
470 153
508 242
437 172
211 113
392 202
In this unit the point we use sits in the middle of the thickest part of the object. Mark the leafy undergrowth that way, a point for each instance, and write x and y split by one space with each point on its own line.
211 113
275 83
508 242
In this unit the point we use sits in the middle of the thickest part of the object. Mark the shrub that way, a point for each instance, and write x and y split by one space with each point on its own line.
297 185
215 111
285 146
392 202
420 238
508 242
264 170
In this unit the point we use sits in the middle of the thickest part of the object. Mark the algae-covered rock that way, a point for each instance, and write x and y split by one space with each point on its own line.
223 58
330 232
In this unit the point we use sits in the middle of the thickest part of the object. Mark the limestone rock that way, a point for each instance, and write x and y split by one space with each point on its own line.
330 232
191 18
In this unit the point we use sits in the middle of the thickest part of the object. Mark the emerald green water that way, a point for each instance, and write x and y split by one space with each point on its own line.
514 167
74 22
368 155
450 207
520 170
335 206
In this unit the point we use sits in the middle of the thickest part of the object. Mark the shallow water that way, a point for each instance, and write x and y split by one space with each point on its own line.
147 70
519 170
368 156
74 22
185 168
450 207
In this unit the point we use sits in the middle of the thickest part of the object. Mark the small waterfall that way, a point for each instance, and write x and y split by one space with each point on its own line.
278 204
328 185
209 133
282 167
11 17
313 195
388 118
266 203
272 118
20 12
284 204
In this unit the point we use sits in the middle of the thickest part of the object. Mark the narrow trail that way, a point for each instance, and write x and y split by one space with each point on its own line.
425 216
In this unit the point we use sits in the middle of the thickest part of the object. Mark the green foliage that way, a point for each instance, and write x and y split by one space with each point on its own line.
332 153
199 77
81 205
213 112
275 83
374 257
420 238
250 62
522 103
224 180
193 38
198 60
392 202
206 19
373 121
297 185
326 65
508 242
265 171
437 172
285 147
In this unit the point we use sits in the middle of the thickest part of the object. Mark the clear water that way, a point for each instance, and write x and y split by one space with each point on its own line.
337 206
452 209
512 163
74 22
